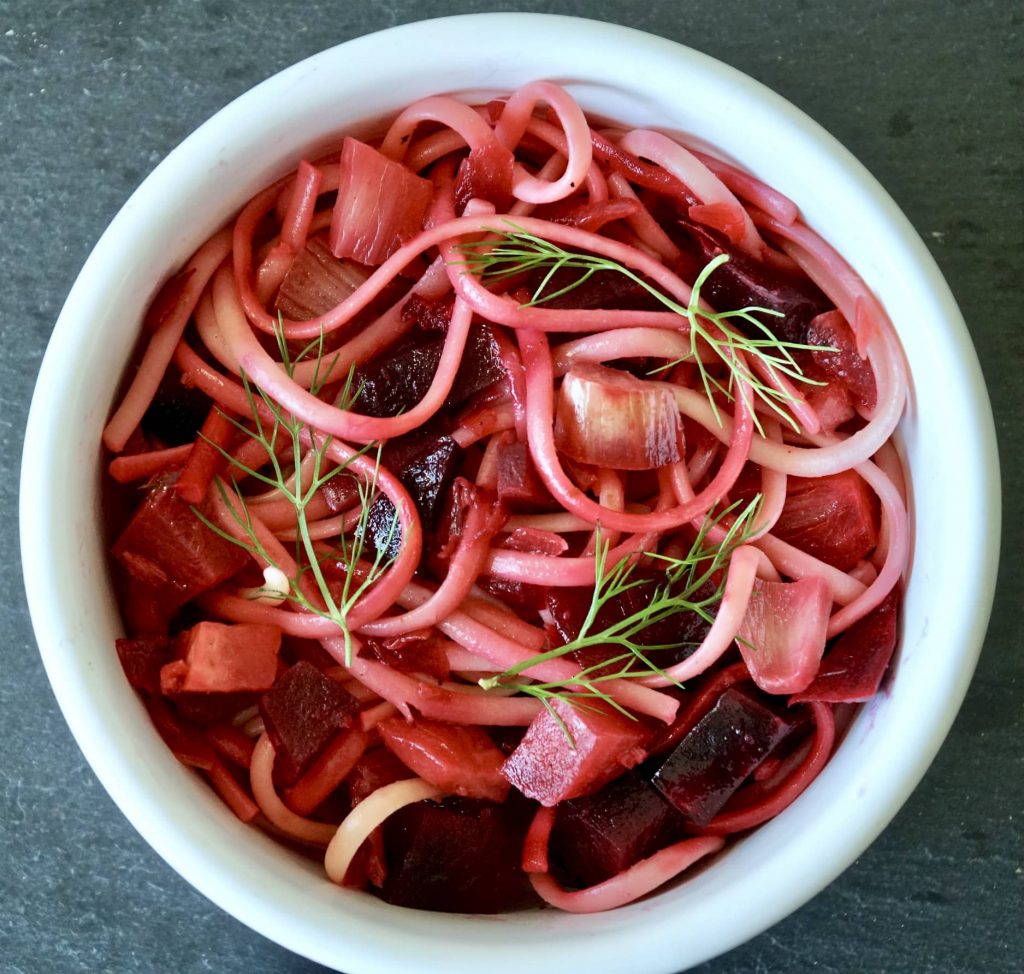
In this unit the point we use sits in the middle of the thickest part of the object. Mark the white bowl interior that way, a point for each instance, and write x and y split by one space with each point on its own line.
617 73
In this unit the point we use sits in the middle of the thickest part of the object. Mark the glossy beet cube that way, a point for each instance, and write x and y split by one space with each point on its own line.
833 518
458 856
600 836
681 633
458 759
743 282
170 550
853 668
426 464
302 713
587 746
421 651
221 658
142 659
177 411
520 487
718 754
396 381
844 365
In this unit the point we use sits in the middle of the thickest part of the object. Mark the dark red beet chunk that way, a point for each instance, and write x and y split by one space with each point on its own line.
743 282
683 633
598 837
845 365
425 463
718 754
421 651
302 714
486 173
457 759
549 768
520 487
374 770
142 659
853 668
429 316
397 380
458 856
521 596
166 547
177 412
833 518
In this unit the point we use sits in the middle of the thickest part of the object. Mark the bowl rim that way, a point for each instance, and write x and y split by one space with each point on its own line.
354 944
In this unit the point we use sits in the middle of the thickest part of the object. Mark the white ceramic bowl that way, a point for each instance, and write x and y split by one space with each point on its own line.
618 73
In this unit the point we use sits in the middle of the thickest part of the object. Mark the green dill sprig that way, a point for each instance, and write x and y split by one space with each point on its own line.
299 487
679 593
514 251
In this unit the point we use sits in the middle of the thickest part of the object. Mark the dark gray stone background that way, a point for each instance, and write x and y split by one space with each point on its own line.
928 95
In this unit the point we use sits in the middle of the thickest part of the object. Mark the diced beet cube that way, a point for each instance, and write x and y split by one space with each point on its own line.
604 289
833 518
576 754
166 547
853 668
486 173
177 411
600 836
457 856
380 205
521 596
142 659
219 658
374 770
316 282
397 380
718 754
421 651
457 759
429 316
520 487
302 713
680 634
844 366
425 463
743 282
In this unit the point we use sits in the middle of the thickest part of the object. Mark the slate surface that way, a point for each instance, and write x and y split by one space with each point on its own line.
927 95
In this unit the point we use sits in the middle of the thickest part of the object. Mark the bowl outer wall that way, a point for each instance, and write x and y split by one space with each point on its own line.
618 73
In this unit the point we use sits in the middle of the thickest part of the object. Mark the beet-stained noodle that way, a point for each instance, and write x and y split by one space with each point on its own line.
505 510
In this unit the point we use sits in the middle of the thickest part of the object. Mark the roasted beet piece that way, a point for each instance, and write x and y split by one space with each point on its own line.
302 714
853 668
219 658
457 759
718 754
426 464
597 837
844 366
486 173
142 659
522 596
397 380
421 651
458 856
683 632
176 412
167 548
549 767
374 770
520 487
429 316
834 518
743 282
